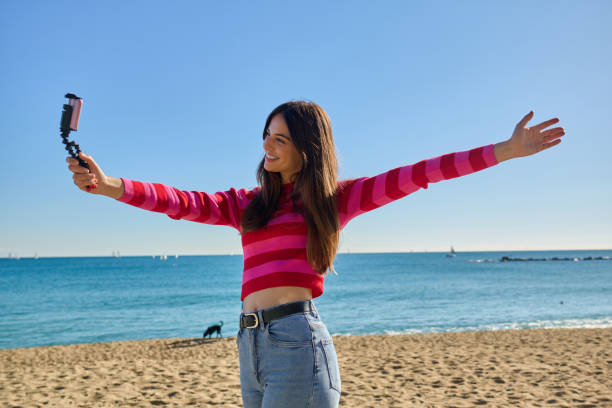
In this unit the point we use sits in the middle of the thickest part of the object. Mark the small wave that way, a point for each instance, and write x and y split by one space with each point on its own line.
600 323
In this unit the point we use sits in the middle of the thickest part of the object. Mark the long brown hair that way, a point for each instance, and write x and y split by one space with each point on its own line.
315 185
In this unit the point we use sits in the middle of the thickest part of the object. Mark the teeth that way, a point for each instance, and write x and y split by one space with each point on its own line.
271 157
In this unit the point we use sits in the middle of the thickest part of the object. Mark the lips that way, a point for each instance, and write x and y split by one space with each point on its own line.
270 157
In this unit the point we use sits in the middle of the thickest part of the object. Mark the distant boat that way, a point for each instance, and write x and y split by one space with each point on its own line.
176 256
116 254
451 254
163 257
35 255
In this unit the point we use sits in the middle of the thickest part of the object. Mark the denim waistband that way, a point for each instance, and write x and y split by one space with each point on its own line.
260 312
311 302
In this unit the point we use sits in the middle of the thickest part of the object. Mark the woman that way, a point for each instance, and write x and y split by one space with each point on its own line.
290 227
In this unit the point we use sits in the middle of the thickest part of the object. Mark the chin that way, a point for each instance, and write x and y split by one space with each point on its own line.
271 169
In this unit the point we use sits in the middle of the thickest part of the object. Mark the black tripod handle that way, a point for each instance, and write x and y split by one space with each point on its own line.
82 163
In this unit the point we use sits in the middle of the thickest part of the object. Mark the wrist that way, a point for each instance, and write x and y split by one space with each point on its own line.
503 151
111 187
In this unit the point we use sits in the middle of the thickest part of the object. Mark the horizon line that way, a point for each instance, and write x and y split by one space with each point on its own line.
338 253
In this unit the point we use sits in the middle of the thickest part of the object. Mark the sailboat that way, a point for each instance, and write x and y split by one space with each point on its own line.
451 254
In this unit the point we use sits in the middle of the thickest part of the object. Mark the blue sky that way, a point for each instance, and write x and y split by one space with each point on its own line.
178 93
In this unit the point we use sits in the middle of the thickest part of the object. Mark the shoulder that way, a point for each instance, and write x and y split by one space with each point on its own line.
243 196
239 195
345 186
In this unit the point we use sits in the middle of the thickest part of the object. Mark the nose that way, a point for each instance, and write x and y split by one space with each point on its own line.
266 143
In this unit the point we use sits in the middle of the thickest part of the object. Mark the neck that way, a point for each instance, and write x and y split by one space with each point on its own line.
288 178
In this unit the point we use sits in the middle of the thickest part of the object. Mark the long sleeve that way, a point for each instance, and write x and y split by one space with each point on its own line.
361 195
221 208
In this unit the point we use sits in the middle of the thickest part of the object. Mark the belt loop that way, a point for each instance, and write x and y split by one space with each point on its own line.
313 308
261 321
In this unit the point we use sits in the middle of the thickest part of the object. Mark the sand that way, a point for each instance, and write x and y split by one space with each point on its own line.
530 368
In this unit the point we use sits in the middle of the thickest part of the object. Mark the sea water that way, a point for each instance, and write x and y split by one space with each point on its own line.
50 301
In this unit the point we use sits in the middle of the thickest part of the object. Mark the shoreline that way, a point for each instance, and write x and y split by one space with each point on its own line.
536 367
510 327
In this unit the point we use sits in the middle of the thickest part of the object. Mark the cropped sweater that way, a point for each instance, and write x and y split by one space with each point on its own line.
275 255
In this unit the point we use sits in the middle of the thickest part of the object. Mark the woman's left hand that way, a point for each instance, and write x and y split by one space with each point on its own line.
526 141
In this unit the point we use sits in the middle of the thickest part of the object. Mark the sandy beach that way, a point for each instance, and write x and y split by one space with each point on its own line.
531 368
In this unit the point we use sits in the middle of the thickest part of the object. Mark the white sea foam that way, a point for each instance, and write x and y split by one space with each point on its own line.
604 322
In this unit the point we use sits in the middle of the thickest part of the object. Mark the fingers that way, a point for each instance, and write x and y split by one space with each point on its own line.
546 124
93 166
540 126
73 166
525 119
83 180
553 133
551 144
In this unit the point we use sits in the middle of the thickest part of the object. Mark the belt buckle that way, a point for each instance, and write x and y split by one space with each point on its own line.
256 320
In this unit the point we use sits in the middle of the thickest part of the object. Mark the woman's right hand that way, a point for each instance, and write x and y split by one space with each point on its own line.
83 177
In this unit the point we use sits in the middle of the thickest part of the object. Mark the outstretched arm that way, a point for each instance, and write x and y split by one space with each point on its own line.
221 208
364 194
526 141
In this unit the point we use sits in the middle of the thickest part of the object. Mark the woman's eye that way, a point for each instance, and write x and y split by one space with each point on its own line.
281 140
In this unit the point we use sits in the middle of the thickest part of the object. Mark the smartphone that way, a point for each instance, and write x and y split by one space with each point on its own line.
76 104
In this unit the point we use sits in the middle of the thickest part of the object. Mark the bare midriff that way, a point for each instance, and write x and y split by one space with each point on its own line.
270 297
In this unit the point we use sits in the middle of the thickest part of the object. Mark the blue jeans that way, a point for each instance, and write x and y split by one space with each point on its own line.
289 363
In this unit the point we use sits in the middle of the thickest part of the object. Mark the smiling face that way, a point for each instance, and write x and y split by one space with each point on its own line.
281 154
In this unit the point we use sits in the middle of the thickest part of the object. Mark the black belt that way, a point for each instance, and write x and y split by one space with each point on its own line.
251 320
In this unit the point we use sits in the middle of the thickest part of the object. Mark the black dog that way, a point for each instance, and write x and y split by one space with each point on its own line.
212 329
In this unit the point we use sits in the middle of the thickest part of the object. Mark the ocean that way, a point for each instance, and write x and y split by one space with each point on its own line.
52 301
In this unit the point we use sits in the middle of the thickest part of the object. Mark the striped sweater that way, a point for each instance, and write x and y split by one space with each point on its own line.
276 254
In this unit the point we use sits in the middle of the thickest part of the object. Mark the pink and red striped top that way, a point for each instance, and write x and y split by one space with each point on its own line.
276 255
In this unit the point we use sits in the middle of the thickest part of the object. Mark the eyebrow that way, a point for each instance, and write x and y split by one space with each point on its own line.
279 134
